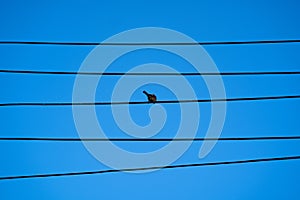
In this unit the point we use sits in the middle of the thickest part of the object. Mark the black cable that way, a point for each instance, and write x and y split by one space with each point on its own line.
146 102
148 139
152 43
147 73
152 168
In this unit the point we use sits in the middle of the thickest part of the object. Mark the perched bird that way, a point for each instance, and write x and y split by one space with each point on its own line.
151 97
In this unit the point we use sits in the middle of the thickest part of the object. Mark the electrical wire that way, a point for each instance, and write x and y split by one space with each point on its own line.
148 139
152 168
172 101
146 102
148 73
150 43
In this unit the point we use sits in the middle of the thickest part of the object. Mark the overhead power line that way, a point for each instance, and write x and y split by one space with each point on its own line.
146 102
147 73
152 168
150 43
148 139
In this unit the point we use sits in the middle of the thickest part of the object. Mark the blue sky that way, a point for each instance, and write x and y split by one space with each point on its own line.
95 21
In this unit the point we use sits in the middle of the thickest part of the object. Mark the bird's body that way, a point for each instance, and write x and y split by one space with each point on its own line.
151 97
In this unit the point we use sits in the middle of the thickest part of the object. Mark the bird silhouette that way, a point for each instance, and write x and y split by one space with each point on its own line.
151 97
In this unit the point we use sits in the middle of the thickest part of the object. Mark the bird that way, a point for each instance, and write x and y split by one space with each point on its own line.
151 97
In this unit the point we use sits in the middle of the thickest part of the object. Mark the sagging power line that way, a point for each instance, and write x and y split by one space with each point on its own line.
146 102
151 168
149 43
147 73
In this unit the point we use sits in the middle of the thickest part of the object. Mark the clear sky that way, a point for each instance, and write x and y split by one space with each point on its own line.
95 21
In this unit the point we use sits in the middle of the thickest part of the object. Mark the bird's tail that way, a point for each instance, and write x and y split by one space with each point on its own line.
146 93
